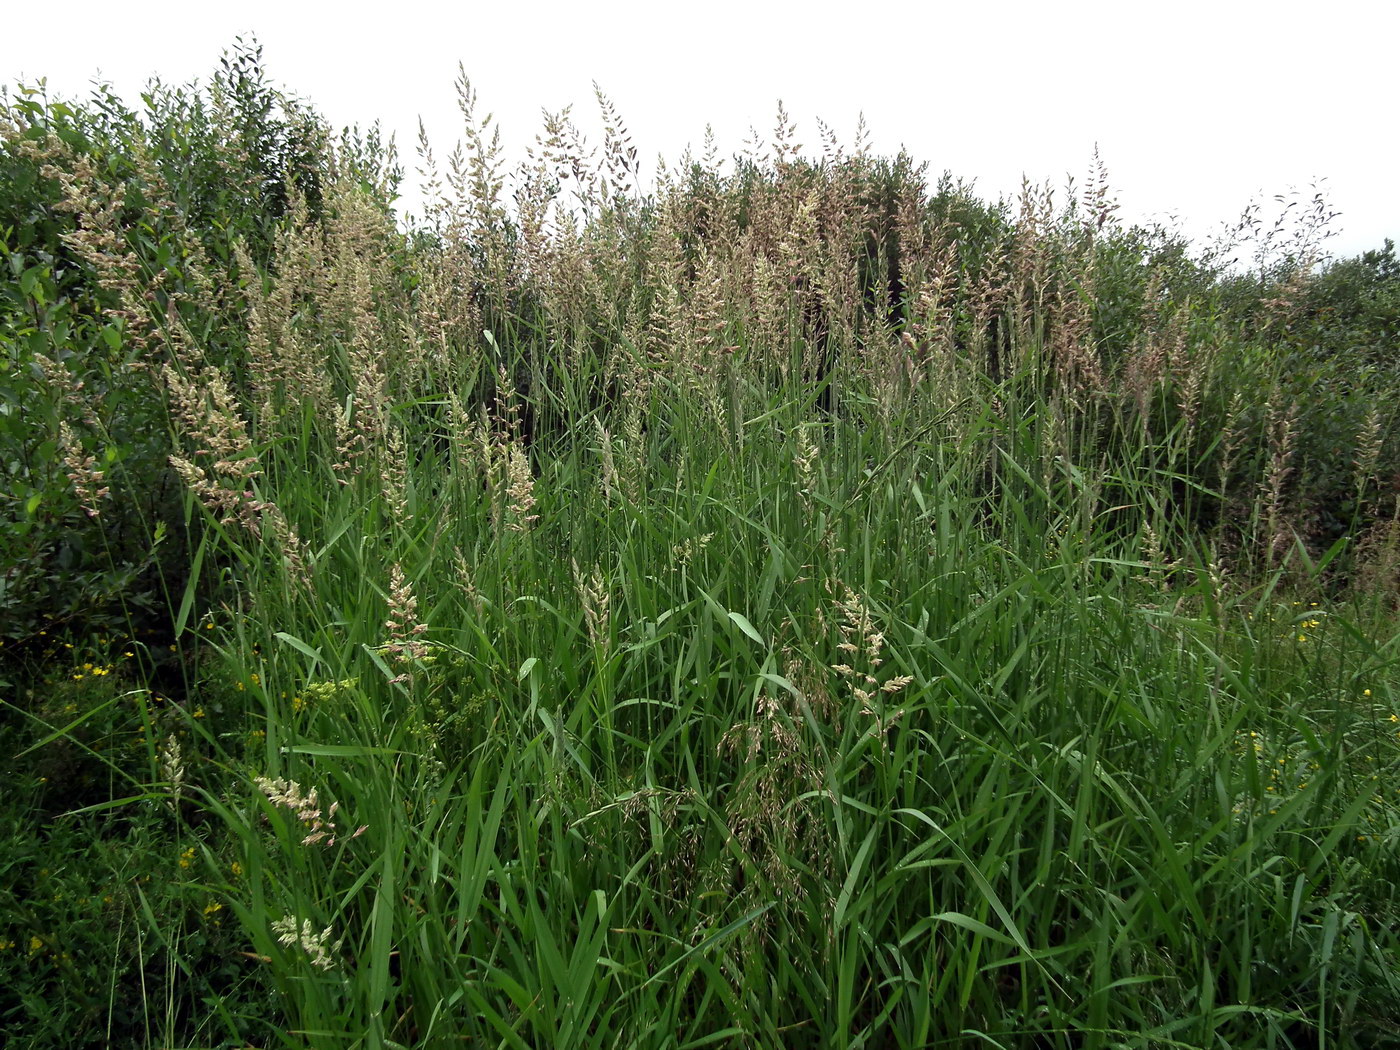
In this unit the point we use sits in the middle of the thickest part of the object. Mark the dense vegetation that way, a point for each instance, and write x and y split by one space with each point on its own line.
802 605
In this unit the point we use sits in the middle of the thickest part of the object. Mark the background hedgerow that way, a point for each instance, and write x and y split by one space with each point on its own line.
800 605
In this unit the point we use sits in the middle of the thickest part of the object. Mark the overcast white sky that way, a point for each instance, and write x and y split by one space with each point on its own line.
1197 107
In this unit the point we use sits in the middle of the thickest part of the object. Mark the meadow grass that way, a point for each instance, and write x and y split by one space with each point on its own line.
790 609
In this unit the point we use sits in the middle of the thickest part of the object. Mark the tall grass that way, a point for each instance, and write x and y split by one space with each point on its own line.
801 607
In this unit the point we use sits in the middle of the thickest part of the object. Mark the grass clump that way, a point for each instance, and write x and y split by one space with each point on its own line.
799 606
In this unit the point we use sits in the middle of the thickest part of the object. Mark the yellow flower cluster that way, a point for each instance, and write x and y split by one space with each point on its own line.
1290 772
93 671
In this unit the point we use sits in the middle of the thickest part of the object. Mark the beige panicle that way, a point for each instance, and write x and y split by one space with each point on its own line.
519 488
862 647
594 597
405 628
306 807
172 768
82 471
223 464
318 947
1369 442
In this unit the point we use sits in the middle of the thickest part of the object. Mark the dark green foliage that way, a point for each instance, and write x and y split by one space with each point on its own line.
1352 310
82 963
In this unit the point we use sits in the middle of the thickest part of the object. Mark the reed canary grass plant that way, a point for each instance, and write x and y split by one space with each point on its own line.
797 605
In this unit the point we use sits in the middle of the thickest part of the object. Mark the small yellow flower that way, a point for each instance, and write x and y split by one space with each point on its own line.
35 943
187 857
236 868
211 909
